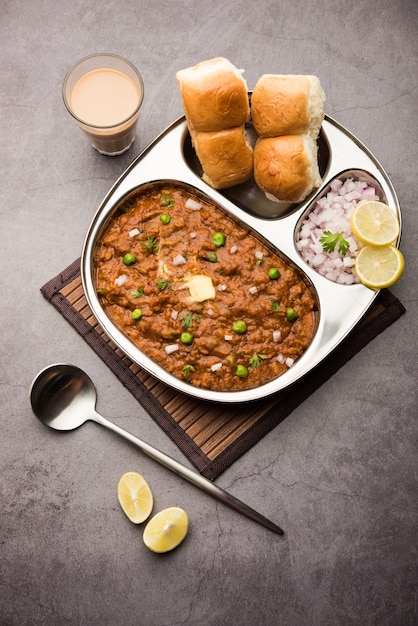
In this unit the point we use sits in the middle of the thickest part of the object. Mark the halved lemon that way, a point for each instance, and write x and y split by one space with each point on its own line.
374 223
166 530
135 497
379 266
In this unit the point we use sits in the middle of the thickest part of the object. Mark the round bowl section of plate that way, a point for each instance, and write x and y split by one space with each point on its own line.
324 238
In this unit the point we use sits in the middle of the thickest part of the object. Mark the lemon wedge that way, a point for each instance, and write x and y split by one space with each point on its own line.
166 530
135 497
374 223
379 266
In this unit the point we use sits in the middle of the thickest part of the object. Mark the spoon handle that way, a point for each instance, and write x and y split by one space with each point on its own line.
190 475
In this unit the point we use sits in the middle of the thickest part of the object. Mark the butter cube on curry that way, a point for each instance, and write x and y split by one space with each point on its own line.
201 288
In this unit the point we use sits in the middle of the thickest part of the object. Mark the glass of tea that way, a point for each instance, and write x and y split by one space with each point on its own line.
104 94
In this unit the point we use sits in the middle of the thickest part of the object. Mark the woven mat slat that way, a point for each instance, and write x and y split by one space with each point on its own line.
211 435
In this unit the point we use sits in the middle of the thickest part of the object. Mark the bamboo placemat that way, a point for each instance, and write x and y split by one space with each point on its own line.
211 435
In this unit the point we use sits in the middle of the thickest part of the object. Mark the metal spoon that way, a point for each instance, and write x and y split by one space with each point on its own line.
63 397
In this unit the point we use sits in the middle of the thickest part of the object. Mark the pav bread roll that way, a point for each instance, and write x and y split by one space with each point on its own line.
287 104
214 95
225 156
286 167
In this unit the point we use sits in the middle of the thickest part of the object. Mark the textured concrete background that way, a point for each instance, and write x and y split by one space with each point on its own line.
339 474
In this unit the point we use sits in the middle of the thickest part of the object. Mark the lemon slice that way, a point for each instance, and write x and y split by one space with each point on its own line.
374 223
166 530
135 497
379 266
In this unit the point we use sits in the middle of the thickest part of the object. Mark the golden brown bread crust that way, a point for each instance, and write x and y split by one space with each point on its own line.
287 105
225 156
214 95
286 167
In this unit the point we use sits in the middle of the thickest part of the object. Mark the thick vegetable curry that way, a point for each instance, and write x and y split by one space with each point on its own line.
201 294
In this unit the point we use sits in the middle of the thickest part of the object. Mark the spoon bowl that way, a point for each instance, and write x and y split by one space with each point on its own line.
63 397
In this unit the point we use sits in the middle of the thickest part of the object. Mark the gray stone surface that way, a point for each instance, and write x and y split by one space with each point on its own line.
339 474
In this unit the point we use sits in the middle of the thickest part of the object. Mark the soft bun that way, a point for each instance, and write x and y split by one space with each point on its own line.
225 156
214 95
286 167
286 104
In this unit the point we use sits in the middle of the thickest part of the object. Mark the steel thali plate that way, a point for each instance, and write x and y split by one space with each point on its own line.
170 158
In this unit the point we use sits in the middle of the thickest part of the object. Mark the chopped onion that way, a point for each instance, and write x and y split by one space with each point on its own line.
134 232
210 312
216 367
233 249
280 358
289 361
277 335
193 235
253 290
332 212
179 260
192 204
171 348
174 314
258 254
221 287
121 280
228 337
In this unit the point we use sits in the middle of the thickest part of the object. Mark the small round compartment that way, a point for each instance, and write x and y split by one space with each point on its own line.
330 211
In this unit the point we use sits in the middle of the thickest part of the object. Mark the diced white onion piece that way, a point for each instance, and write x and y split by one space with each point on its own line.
192 204
134 232
258 255
289 362
253 290
280 358
179 260
210 312
228 337
121 280
216 366
171 348
348 261
277 335
174 314
233 249
193 235
221 287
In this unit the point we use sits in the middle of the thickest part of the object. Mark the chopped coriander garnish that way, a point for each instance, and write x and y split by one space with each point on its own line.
138 292
151 246
164 284
187 319
275 304
255 359
167 200
188 369
329 240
